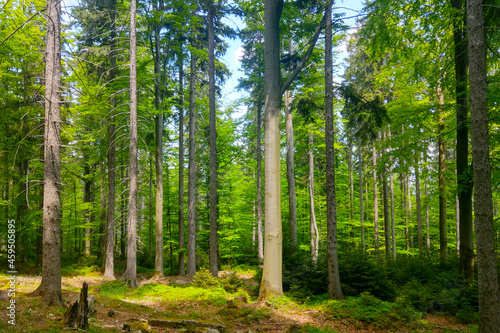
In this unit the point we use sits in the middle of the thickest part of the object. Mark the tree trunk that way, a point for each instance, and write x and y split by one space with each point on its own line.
131 271
334 289
158 157
361 208
272 272
489 295
290 165
387 218
312 213
191 224
375 199
443 237
393 218
290 170
351 179
260 240
464 179
50 287
419 213
214 244
426 194
86 199
182 270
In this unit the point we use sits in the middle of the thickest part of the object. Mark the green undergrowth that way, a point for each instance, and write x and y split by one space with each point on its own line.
203 288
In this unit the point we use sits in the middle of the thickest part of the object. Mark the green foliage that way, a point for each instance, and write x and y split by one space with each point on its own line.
308 328
231 282
204 279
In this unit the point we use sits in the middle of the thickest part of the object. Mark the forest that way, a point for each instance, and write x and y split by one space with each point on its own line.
352 185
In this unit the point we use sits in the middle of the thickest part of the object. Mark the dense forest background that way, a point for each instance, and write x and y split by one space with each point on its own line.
405 217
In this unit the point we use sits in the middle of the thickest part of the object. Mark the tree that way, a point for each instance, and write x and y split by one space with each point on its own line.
272 275
214 244
50 287
489 295
334 290
131 271
464 177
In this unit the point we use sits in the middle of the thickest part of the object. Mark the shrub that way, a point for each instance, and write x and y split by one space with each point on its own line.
204 279
231 282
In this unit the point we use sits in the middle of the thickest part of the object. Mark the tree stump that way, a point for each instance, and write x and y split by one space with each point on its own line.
77 316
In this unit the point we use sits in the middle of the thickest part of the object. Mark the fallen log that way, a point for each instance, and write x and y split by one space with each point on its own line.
184 323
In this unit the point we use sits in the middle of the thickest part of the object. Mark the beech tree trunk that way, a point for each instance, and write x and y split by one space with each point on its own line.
131 271
50 287
214 244
260 239
290 170
272 272
312 213
334 290
191 224
489 295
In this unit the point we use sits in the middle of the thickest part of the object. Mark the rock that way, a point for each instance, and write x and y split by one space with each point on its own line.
137 325
111 313
181 282
191 324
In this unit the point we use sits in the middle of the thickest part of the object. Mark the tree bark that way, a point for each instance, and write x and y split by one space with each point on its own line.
131 271
50 287
361 208
182 270
272 272
158 155
260 239
387 218
214 244
290 170
464 180
489 295
375 199
312 213
191 224
419 213
334 289
443 237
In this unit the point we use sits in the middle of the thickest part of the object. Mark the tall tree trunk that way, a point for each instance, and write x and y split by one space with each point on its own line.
464 179
50 287
111 154
272 273
351 178
214 244
260 240
387 218
87 185
312 213
426 194
182 270
375 199
158 157
290 170
334 289
191 224
290 165
488 292
419 213
131 271
393 218
361 208
443 237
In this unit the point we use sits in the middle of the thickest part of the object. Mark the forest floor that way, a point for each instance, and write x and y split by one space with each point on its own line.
168 298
